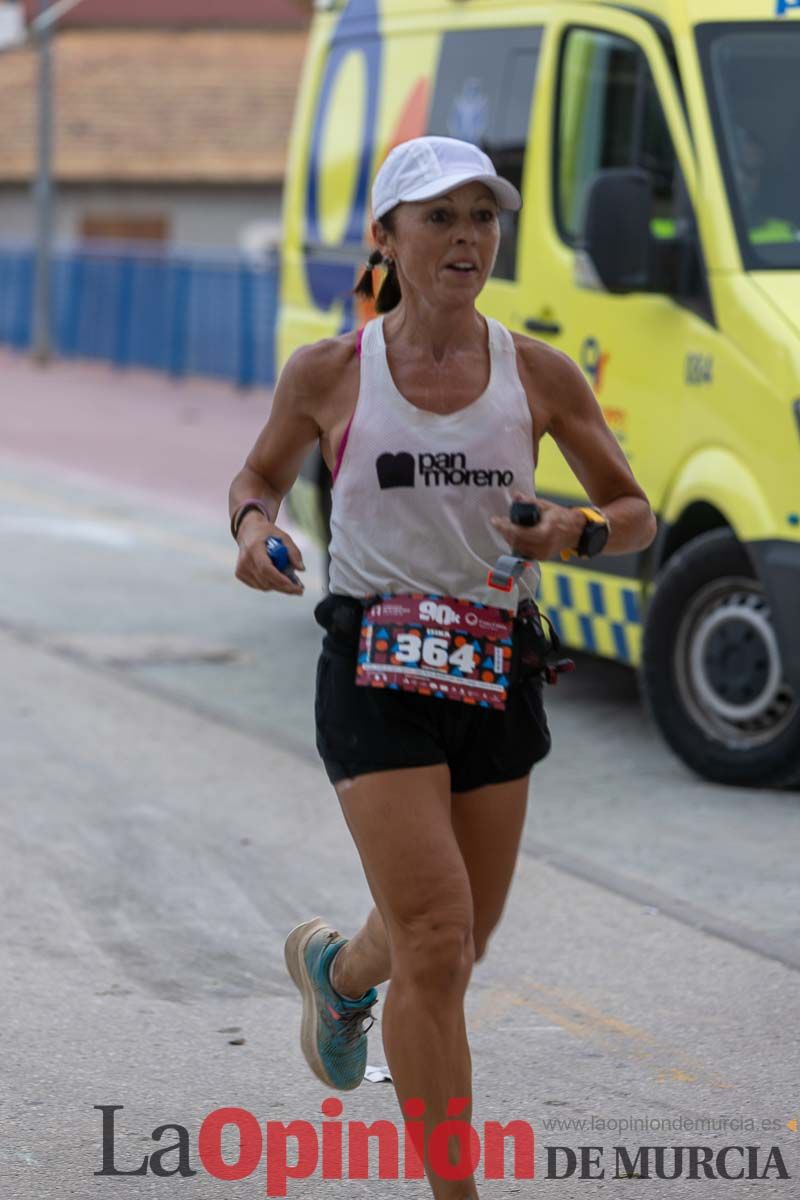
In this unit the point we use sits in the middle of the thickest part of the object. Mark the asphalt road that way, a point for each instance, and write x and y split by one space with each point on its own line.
165 821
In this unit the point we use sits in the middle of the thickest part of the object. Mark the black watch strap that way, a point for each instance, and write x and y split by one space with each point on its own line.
594 537
595 534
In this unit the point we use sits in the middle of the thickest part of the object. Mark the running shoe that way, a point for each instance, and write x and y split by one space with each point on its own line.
333 1036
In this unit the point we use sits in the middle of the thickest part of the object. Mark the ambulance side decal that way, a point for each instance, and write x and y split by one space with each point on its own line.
329 279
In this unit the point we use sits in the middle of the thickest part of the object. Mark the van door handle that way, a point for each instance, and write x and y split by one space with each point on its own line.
539 325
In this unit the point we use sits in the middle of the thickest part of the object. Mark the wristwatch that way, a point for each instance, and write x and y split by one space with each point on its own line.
594 537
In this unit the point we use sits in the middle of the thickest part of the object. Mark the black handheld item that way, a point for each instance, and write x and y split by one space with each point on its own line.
525 513
509 567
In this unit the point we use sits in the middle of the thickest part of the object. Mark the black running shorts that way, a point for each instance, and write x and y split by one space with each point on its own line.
362 729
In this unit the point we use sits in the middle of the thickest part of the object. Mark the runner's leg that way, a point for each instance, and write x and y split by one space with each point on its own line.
488 824
366 956
401 824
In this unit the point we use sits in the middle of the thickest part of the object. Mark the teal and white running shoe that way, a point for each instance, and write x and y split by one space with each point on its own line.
333 1036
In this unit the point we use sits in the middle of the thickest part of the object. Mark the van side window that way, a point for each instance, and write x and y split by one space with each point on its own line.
483 94
610 115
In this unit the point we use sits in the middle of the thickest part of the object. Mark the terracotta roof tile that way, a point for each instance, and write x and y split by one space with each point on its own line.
197 106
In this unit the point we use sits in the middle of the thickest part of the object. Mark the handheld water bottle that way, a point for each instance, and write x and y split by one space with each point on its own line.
279 557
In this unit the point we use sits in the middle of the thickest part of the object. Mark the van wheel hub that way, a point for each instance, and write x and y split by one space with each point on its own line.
728 664
736 658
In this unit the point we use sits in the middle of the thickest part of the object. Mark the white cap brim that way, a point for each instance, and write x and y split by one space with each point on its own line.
505 193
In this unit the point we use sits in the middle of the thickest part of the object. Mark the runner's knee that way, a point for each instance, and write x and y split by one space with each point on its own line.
434 953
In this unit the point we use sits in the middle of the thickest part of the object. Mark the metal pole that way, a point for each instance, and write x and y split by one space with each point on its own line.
43 194
49 16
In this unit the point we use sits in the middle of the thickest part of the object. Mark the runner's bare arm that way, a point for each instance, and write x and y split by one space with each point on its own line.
274 462
577 425
595 457
271 468
313 383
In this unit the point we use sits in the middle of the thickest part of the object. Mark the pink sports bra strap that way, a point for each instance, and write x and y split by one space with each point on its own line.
343 443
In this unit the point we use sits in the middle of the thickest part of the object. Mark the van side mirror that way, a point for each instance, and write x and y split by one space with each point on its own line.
614 250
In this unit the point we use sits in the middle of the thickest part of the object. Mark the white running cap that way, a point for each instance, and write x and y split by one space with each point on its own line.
426 167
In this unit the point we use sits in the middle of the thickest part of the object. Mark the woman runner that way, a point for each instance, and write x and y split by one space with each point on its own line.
430 421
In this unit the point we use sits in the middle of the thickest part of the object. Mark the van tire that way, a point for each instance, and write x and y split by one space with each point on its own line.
711 671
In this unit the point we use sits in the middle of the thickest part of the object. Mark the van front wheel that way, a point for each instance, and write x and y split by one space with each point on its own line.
712 672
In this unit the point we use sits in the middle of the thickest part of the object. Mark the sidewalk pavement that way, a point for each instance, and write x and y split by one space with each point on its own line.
183 439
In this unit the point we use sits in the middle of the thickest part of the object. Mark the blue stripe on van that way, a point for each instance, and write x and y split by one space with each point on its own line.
587 630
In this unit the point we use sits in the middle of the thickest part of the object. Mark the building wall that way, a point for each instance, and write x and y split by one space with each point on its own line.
197 217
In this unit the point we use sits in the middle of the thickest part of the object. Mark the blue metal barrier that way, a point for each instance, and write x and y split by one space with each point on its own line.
184 314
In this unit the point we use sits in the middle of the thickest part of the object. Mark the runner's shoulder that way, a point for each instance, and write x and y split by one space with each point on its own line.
549 371
317 366
546 363
314 375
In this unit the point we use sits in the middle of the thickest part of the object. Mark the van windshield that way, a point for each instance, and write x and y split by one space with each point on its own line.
751 74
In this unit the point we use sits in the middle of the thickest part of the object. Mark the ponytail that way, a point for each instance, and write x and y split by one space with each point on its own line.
389 294
364 286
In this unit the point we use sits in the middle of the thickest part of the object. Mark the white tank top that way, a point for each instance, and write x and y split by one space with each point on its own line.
414 490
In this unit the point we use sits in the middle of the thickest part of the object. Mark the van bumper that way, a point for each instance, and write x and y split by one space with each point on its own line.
778 567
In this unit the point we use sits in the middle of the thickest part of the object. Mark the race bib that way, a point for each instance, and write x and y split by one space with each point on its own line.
437 646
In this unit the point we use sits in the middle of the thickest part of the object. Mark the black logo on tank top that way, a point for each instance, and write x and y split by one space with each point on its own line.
398 470
395 470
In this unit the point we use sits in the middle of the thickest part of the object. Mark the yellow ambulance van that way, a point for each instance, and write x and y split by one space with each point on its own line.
657 148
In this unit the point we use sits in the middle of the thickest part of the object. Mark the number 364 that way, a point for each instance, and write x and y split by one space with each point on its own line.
433 651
